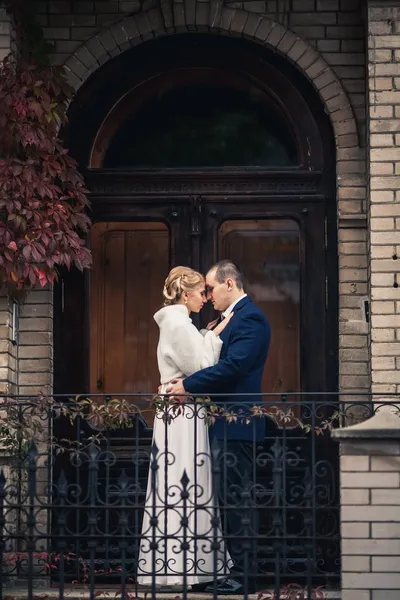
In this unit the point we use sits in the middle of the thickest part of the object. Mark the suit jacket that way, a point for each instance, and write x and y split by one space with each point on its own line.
245 347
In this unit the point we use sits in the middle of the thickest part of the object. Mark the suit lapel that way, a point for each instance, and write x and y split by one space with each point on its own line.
226 332
237 307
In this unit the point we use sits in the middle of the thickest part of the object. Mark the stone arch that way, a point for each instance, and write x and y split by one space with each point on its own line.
213 17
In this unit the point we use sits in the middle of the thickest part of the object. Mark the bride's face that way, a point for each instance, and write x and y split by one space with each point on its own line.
196 299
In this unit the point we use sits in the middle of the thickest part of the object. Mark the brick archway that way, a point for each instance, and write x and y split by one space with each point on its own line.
213 17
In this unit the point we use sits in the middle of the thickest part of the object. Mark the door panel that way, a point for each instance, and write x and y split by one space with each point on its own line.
130 263
281 250
269 252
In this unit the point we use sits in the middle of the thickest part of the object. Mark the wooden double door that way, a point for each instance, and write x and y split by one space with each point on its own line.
280 246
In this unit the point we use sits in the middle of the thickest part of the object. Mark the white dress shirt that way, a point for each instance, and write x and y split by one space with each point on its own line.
232 306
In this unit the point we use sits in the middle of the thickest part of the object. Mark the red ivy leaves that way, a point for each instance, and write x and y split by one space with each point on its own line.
292 591
43 199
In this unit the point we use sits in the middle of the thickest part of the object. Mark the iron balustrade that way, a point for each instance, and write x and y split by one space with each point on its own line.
73 493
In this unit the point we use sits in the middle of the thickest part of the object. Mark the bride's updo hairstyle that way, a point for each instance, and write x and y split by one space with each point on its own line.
179 280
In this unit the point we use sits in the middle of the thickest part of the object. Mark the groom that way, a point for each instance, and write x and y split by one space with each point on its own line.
239 371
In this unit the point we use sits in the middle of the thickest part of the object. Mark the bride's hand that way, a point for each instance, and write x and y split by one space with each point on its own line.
211 324
219 329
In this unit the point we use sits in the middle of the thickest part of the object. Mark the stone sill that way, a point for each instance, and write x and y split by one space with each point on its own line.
353 221
383 425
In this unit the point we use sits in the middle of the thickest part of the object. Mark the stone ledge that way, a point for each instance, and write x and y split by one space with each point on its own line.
352 221
385 424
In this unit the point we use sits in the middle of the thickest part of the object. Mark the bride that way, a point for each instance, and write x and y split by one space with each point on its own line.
181 438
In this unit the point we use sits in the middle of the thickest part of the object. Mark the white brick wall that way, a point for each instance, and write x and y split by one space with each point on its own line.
26 367
370 508
35 349
8 351
384 209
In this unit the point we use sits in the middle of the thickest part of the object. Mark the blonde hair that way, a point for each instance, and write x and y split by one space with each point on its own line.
179 280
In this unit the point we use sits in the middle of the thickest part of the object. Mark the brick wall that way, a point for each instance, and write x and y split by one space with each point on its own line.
5 33
384 209
26 363
35 348
370 508
325 38
334 27
7 349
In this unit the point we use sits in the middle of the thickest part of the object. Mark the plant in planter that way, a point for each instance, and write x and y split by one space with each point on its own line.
43 202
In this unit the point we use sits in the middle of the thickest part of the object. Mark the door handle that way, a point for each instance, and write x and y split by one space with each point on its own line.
99 384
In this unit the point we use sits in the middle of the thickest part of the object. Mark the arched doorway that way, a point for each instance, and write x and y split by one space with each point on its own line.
198 147
195 148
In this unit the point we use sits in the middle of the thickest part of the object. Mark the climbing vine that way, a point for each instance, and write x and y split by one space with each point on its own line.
43 202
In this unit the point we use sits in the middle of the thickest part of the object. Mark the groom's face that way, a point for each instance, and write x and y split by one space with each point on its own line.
217 292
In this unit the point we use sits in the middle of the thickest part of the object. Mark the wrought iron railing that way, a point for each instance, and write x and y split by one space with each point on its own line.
87 498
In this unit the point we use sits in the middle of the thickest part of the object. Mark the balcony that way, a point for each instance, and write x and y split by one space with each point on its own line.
75 488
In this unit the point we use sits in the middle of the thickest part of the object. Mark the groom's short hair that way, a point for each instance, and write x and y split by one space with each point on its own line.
226 269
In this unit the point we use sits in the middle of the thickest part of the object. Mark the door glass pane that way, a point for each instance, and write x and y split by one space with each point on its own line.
203 126
268 251
130 262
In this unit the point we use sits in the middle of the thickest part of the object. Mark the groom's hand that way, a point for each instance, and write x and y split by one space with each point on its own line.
176 387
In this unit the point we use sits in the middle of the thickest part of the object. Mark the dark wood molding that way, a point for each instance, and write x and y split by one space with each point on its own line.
128 183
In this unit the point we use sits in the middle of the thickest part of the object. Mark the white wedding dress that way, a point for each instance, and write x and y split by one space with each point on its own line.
183 446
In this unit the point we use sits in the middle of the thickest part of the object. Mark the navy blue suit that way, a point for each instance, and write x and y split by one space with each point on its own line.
239 371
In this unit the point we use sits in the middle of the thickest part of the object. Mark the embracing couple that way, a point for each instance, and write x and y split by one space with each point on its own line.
179 534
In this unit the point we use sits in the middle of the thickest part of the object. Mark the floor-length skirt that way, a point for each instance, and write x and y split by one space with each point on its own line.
180 496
